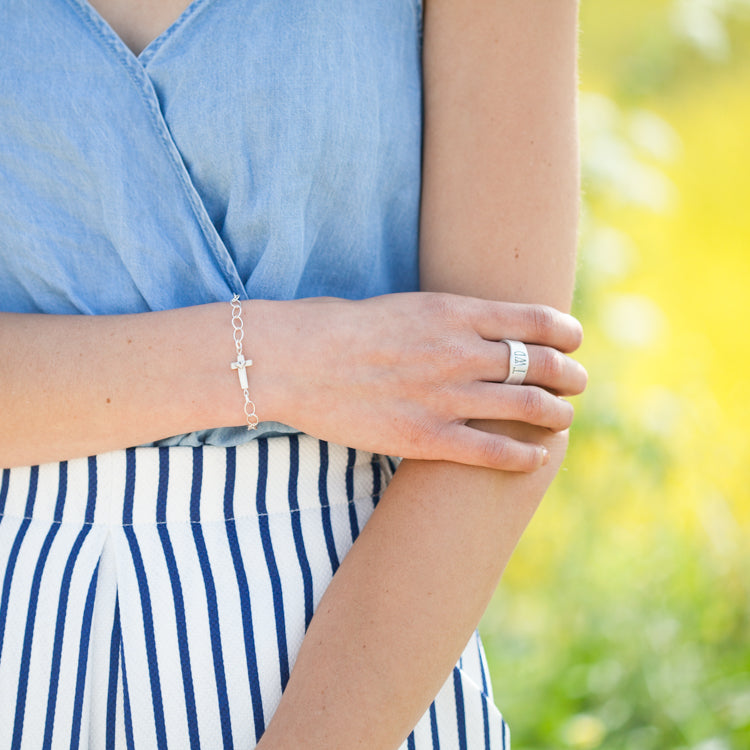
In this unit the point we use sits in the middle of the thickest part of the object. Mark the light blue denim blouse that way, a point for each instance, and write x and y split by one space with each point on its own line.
269 149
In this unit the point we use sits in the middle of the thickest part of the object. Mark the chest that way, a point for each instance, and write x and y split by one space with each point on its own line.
269 145
139 22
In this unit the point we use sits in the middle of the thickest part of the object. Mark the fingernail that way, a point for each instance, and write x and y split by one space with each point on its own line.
545 456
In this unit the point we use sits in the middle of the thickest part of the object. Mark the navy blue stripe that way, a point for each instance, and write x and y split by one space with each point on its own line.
128 715
83 654
486 722
244 592
87 615
177 597
211 601
353 522
377 479
163 486
127 506
458 692
411 742
145 597
91 501
62 609
4 490
434 727
182 636
229 482
482 665
31 497
326 507
23 678
148 630
14 552
273 571
195 490
299 542
114 665
505 732
62 491
485 692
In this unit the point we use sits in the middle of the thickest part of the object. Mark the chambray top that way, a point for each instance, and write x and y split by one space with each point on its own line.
269 149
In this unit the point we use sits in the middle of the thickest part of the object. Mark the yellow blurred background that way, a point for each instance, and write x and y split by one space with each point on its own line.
623 620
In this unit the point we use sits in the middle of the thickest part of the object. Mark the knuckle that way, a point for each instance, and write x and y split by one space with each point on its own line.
455 352
552 366
440 400
428 349
441 306
452 356
422 436
532 402
495 452
543 321
526 462
504 453
445 356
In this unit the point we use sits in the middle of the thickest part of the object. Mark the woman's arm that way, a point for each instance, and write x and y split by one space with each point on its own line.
371 374
499 220
75 385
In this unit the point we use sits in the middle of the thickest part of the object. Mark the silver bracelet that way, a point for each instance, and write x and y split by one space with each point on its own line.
242 364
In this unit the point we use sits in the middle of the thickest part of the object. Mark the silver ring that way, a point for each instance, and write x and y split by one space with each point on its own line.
518 364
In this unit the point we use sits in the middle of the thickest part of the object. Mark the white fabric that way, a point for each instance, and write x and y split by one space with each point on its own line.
157 597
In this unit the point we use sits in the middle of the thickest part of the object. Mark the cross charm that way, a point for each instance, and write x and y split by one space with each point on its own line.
240 365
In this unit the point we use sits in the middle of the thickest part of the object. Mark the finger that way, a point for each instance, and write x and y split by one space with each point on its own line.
533 324
471 446
548 368
518 403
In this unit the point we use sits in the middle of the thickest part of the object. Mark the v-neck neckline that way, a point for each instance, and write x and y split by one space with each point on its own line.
155 44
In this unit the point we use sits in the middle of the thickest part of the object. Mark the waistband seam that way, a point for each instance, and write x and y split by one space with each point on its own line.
286 511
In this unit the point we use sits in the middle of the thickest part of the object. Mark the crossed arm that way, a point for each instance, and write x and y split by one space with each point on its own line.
499 219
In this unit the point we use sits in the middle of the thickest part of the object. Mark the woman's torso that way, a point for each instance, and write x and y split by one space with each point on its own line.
267 149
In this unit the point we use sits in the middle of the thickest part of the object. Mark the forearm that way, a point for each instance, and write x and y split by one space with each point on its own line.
402 606
375 374
76 385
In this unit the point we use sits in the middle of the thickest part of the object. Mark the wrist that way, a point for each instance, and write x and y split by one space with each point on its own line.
265 323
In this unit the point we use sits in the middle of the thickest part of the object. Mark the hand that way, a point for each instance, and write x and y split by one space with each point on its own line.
402 374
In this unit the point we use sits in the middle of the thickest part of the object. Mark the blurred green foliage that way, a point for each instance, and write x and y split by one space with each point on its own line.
623 620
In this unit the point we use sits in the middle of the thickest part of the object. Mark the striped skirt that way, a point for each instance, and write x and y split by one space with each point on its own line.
157 597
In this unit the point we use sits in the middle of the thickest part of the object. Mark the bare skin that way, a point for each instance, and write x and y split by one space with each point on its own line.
139 22
498 222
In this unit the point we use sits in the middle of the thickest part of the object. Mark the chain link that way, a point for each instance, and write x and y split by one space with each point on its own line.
238 332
